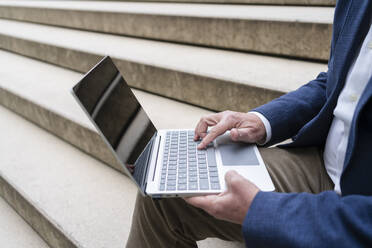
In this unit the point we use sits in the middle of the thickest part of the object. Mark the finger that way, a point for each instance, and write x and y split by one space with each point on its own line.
241 134
202 126
201 130
232 179
219 129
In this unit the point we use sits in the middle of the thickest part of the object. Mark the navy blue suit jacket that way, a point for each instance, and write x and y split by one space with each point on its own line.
326 219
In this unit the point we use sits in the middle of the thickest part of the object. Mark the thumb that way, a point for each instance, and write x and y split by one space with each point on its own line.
241 134
233 180
236 183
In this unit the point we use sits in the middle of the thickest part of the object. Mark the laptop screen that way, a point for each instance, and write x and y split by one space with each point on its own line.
115 111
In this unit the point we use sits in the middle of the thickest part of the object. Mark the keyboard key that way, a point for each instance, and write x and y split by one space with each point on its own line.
193 186
212 169
162 187
213 174
202 166
193 179
203 176
182 166
171 183
192 164
182 181
172 172
182 187
214 180
193 174
211 156
182 175
215 186
171 188
171 177
203 184
203 171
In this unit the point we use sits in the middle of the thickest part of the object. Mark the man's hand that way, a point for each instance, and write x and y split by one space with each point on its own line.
231 205
245 127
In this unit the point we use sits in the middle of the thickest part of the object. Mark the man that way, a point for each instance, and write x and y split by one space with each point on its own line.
328 164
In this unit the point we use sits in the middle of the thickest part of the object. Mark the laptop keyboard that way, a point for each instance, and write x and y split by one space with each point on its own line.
185 167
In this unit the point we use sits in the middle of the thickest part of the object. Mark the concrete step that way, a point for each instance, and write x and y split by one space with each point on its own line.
69 198
40 92
210 78
269 2
15 232
280 30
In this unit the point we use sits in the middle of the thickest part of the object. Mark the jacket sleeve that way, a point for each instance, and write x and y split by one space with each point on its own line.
288 113
307 220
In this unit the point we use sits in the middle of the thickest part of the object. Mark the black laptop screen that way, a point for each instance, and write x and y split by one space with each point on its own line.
115 111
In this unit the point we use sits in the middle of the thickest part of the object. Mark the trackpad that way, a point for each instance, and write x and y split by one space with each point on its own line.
236 154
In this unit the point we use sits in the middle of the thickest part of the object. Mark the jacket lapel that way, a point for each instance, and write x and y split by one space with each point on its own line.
366 96
349 41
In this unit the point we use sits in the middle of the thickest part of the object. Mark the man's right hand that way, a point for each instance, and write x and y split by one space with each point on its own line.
245 127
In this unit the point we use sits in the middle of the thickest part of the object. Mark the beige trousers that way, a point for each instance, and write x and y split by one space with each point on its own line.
174 223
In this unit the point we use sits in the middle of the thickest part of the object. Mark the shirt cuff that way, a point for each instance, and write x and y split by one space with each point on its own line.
266 124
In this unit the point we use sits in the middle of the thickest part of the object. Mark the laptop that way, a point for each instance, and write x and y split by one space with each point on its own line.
162 163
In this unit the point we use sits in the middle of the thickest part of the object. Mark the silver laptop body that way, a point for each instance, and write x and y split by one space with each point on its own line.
166 162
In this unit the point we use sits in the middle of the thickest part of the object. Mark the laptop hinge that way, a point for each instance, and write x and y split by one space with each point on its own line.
148 160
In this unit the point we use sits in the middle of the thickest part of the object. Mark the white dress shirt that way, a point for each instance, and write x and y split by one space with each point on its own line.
338 135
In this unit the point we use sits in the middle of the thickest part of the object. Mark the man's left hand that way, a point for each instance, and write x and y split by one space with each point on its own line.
231 205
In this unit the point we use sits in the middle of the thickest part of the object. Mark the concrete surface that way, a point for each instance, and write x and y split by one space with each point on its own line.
15 232
206 77
40 92
281 30
269 2
69 198
276 2
88 202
